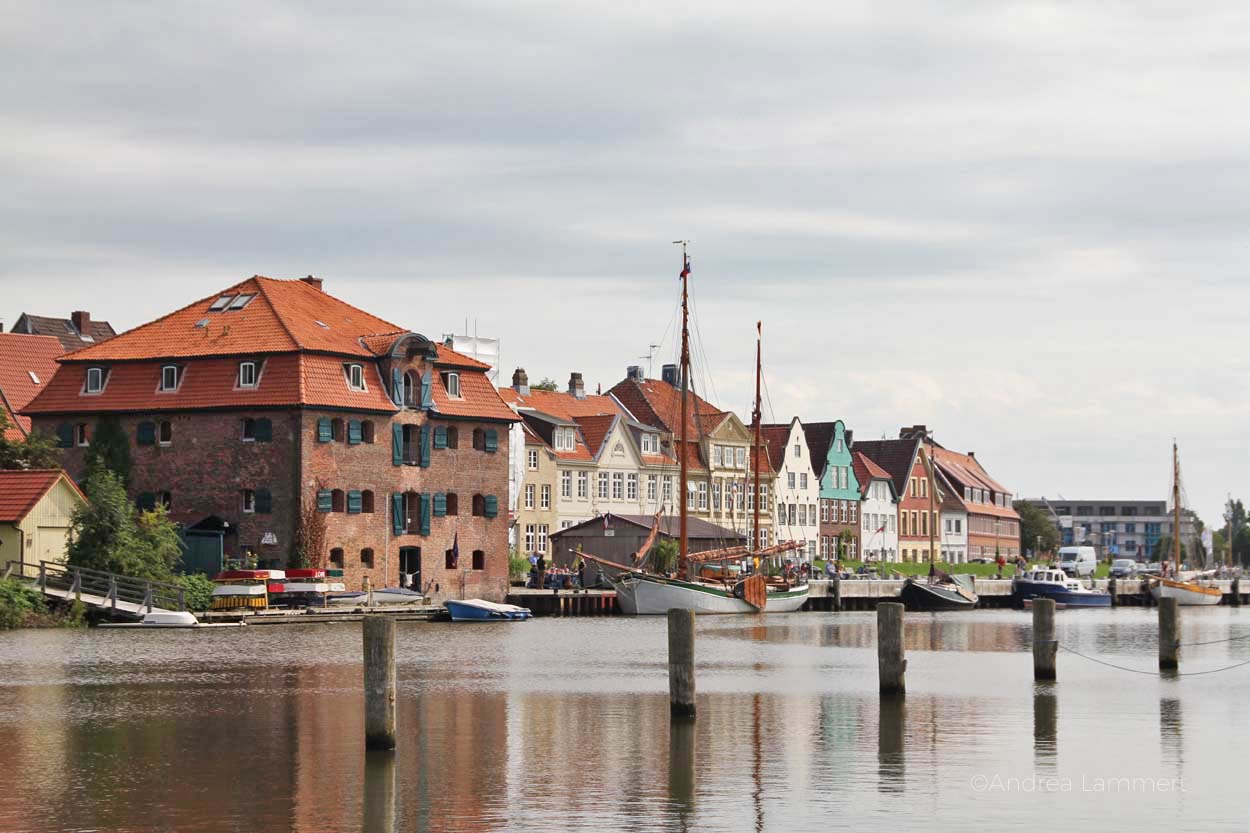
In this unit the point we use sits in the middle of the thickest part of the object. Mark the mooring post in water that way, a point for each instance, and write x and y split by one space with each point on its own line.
1235 599
1045 646
1169 635
1112 587
379 643
891 665
681 662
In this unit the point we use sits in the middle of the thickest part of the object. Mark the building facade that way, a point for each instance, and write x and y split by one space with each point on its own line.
902 459
796 515
1116 528
27 363
272 413
878 510
993 526
840 491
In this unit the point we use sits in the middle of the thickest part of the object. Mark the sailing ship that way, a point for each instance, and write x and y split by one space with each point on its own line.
706 589
1186 592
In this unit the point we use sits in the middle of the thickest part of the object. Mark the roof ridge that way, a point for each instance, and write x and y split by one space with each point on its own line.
260 288
337 299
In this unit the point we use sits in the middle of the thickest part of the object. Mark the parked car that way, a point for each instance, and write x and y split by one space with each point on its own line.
1123 568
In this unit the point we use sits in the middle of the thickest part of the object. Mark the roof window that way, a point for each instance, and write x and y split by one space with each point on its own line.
202 324
323 325
239 302
34 377
221 303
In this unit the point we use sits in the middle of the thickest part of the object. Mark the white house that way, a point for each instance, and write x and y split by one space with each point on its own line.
954 524
878 510
795 514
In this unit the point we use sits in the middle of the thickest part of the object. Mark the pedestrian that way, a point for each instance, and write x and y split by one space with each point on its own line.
579 565
542 572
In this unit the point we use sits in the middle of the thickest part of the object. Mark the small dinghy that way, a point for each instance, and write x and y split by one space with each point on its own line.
480 610
169 619
386 596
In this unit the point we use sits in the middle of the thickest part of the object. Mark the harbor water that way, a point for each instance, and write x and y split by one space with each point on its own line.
563 724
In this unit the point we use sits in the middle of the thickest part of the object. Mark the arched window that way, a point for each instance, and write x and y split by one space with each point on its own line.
366 557
453 437
453 504
366 431
338 501
336 557
479 439
366 502
479 506
412 387
479 560
336 430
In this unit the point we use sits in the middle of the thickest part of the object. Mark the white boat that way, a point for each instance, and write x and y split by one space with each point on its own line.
1191 593
643 594
480 610
385 596
170 619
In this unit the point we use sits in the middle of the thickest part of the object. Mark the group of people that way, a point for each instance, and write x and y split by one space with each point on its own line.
543 579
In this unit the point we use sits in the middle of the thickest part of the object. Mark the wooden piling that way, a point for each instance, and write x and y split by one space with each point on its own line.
891 664
1111 591
379 649
1045 647
681 662
1235 599
1169 635
835 591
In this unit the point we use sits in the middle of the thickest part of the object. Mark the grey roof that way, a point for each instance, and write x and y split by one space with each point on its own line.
63 329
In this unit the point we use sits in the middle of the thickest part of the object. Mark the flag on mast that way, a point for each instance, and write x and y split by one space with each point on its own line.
455 551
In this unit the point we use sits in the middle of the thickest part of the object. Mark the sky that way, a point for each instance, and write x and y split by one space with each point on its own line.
1020 224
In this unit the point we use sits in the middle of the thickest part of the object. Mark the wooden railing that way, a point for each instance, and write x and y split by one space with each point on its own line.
112 587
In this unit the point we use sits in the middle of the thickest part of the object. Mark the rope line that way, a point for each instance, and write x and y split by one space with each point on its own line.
1140 671
1215 641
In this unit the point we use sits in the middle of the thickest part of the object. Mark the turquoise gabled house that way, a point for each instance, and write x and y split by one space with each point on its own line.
830 442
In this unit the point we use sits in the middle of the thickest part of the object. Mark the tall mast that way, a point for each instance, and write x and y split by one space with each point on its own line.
1176 509
683 543
928 465
755 419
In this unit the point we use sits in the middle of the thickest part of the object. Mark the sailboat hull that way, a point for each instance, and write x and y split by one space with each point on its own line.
1186 592
638 595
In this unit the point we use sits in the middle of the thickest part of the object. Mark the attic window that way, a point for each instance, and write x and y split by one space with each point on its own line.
95 379
169 377
201 324
239 302
451 381
33 377
221 303
355 376
323 325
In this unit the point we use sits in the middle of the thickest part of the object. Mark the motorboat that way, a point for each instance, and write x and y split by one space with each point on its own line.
480 610
1054 583
934 594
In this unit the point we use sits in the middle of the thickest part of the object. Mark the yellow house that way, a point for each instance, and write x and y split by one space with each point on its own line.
35 512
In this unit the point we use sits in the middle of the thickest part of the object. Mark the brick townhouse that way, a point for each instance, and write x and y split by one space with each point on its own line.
250 405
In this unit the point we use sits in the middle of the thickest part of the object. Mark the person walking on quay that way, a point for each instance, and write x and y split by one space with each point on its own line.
542 571
579 567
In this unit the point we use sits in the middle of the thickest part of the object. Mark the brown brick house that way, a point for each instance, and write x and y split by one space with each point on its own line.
271 396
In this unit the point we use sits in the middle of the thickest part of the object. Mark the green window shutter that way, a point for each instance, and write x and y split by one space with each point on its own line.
263 501
65 435
325 431
440 504
355 434
264 430
425 446
397 513
440 436
146 502
353 503
492 440
427 392
423 500
325 501
397 444
397 386
145 434
491 506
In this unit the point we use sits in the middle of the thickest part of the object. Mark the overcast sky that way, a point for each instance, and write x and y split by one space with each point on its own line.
1021 224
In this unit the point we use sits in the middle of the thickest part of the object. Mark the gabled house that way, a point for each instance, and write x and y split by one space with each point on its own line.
954 522
993 526
73 333
840 496
878 510
27 364
917 519
796 516
271 398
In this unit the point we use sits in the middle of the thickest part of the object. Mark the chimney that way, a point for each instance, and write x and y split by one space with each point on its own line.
1 325
972 454
916 432
634 372
669 374
576 387
521 382
315 283
82 321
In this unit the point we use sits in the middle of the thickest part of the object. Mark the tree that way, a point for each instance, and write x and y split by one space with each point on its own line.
546 384
309 550
1036 523
1236 530
110 448
664 555
109 534
36 451
1163 550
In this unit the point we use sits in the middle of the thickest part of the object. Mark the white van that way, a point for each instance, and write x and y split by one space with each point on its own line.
1078 561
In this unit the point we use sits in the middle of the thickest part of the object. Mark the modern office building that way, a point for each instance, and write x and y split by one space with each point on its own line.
1120 528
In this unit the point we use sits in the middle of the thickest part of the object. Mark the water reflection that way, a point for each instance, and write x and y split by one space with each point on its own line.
891 721
1170 734
681 767
379 811
1045 725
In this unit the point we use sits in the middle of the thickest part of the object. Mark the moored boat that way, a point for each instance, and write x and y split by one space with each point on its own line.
644 594
1054 583
480 610
938 595
384 596
1191 593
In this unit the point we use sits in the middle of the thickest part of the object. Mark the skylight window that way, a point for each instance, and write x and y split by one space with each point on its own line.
323 325
221 303
202 324
34 377
239 302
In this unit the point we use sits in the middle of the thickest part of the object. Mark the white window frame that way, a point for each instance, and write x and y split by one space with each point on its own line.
631 486
529 496
803 480
529 538
604 485
542 538
653 481
244 369
166 371
451 381
81 439
583 485
356 377
566 484
96 373
702 495
249 502
531 459
618 485
544 497
741 458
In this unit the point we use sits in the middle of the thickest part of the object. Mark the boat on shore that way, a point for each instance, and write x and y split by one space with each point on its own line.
480 610
384 596
937 594
157 619
1054 583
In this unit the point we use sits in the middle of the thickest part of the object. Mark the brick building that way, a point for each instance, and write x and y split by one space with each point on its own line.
27 363
272 397
902 459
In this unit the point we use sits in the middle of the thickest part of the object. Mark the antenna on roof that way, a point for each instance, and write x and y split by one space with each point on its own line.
648 357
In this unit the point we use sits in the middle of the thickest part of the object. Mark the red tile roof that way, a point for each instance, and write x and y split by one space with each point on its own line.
452 358
20 355
776 438
966 470
561 405
478 398
658 404
595 430
284 317
21 490
866 471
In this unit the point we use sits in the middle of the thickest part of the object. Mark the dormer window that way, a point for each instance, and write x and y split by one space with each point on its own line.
650 443
221 303
451 381
169 377
565 439
247 374
239 303
355 377
95 379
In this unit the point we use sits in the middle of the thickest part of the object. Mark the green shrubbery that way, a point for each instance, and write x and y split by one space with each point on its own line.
198 591
19 604
110 534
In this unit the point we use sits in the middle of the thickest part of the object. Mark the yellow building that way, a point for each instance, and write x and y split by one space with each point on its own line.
35 512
